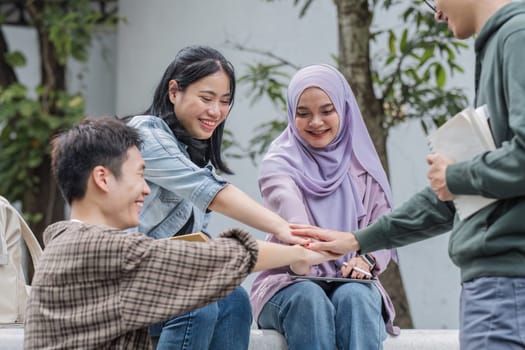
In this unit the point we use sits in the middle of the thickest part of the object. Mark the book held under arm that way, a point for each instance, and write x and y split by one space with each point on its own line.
461 138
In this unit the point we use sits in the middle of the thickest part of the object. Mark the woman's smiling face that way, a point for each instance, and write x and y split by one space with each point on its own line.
203 105
316 119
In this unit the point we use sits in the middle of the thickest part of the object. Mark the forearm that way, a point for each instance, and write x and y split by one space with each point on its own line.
234 203
300 259
272 255
421 217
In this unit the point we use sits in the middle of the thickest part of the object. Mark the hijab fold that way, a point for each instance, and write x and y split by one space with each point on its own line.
326 176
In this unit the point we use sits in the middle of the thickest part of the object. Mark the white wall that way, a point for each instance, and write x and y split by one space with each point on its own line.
96 79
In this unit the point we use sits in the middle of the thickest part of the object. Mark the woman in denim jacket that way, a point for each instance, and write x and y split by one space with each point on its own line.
182 131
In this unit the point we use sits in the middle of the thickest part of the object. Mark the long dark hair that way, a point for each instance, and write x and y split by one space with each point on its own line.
191 64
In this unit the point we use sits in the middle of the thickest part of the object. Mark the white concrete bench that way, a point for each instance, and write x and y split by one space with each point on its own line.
12 338
409 339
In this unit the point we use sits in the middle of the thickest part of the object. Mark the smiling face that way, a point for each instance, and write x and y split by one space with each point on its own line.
126 193
203 105
316 119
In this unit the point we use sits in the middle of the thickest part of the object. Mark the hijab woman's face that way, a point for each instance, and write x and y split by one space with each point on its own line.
203 106
316 119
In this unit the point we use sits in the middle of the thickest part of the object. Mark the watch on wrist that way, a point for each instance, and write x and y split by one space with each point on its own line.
369 259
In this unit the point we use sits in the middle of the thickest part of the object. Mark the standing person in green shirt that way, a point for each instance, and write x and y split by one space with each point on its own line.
489 246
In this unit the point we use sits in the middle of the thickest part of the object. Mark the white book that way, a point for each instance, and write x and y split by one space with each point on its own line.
462 137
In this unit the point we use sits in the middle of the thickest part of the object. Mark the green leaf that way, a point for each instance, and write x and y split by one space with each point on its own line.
404 40
15 59
427 54
392 42
441 76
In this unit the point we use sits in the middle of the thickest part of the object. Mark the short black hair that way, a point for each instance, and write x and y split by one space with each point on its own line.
90 143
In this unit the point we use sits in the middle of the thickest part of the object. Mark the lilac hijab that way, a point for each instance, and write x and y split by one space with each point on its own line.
326 175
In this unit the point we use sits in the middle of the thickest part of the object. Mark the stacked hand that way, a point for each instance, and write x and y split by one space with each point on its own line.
311 257
330 241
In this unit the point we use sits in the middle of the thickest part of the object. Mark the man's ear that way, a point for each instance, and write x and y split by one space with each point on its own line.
100 177
173 89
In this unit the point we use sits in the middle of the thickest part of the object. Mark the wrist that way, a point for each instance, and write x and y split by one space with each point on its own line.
352 243
369 260
300 265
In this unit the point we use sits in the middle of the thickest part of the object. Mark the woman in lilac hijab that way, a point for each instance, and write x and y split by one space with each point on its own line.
323 170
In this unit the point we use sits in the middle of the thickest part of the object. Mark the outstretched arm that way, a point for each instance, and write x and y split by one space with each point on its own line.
234 203
272 255
421 217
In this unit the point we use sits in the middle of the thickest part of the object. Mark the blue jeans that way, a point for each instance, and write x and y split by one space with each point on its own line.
492 314
224 324
345 316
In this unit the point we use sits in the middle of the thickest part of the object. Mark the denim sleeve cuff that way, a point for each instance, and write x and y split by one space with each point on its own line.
207 190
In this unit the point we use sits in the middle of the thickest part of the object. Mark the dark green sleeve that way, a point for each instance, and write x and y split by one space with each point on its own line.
421 217
499 173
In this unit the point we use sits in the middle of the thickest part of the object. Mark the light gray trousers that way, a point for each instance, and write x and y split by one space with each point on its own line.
492 314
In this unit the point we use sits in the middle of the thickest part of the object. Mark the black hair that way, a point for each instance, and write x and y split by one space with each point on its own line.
191 64
92 142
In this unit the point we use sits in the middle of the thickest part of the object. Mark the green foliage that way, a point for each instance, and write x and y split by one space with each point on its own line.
410 77
265 134
413 73
15 59
70 27
29 119
266 80
25 131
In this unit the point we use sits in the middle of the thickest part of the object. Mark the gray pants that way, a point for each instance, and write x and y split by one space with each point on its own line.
492 314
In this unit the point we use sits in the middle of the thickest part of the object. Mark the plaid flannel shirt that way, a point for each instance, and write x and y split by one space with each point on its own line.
99 288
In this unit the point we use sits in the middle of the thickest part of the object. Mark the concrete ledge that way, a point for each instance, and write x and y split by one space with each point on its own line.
12 338
424 339
409 339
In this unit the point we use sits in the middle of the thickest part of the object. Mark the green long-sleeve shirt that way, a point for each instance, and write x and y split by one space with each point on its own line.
492 241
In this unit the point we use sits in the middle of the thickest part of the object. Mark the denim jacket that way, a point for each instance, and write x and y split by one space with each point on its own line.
178 186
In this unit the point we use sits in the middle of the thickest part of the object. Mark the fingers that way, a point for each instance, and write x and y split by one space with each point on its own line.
305 231
298 240
346 269
329 247
352 269
361 273
301 226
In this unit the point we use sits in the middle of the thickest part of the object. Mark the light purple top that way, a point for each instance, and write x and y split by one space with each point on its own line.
342 186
